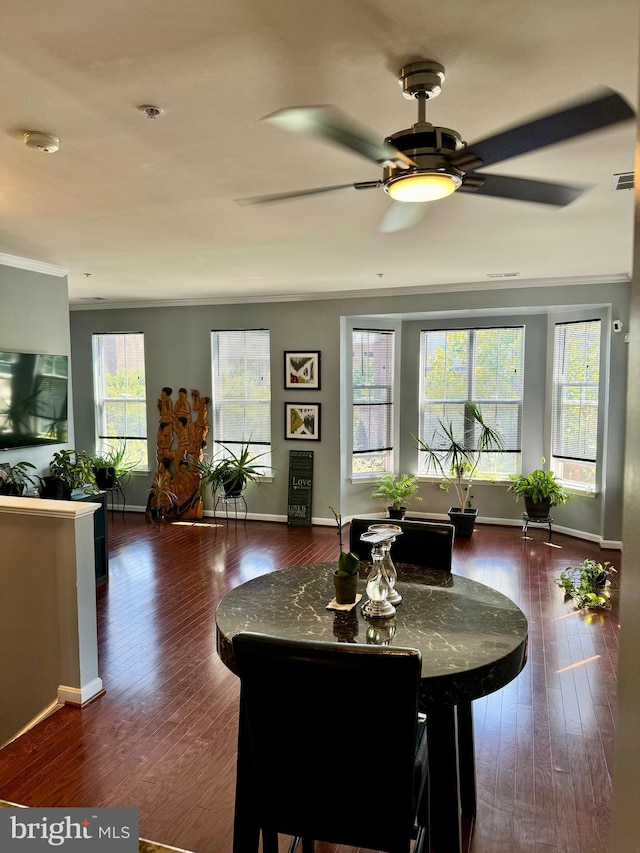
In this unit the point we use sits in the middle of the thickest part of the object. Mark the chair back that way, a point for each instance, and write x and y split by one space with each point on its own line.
333 737
423 543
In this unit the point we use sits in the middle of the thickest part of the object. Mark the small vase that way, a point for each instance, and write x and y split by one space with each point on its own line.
346 588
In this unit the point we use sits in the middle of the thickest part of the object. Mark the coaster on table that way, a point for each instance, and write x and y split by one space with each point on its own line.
333 605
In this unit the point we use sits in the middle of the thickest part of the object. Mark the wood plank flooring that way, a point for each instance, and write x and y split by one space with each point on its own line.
163 737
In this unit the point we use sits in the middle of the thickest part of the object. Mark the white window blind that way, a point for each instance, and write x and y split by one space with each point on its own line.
241 368
120 394
576 387
484 366
372 378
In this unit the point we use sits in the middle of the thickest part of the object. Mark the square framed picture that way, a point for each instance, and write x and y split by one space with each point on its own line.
302 421
302 370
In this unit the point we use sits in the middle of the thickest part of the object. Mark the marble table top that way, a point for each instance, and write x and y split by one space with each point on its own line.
473 639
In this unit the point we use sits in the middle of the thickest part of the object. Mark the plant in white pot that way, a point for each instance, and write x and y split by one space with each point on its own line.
396 491
454 454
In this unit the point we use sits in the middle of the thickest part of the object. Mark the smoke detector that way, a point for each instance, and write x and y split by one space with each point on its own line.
45 142
150 111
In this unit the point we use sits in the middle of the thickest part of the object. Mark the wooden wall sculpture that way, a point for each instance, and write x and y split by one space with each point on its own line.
182 432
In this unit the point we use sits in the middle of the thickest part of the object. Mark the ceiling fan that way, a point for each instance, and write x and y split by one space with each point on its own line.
425 163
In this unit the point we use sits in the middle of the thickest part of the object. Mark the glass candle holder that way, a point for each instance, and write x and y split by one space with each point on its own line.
392 530
378 588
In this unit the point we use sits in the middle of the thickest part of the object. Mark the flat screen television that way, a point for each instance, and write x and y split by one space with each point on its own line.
33 399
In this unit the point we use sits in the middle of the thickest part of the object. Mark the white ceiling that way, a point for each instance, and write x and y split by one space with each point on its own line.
147 207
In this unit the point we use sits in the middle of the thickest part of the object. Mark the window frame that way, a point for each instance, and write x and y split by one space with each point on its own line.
386 455
557 460
261 446
472 396
103 442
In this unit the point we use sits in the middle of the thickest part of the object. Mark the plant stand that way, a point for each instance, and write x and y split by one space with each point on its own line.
224 501
116 497
528 519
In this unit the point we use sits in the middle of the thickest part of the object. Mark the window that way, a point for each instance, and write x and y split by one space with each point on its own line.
120 394
241 367
484 366
576 386
372 374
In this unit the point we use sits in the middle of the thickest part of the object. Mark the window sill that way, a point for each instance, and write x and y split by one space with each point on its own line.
580 493
477 481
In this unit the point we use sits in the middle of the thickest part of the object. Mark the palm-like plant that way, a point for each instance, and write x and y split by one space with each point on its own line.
396 491
455 460
230 470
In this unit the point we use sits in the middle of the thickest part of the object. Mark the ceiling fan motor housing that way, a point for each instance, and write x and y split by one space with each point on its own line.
429 147
425 77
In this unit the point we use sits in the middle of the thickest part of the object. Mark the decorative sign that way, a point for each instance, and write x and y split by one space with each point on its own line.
300 488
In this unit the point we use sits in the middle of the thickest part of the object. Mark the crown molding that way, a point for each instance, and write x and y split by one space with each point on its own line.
368 293
31 265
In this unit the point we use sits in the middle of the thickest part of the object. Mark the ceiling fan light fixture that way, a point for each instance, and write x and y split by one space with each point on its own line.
423 186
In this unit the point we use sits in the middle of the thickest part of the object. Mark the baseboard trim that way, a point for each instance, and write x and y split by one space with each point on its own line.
80 696
49 709
610 544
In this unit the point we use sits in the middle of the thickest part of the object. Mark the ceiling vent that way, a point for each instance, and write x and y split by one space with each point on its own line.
621 181
503 274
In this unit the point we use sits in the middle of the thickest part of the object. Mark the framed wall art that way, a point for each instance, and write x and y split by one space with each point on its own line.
302 370
302 421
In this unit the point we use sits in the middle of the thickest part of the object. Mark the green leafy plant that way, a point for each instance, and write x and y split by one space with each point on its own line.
161 496
539 485
348 562
396 490
455 459
74 468
14 478
229 469
587 583
115 457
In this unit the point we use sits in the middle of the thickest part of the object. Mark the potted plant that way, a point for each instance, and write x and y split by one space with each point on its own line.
111 466
540 490
161 496
103 470
456 461
14 478
68 470
396 491
586 584
345 577
230 470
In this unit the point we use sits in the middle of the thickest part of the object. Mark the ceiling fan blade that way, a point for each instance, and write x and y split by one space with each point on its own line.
402 215
605 109
266 199
328 123
520 189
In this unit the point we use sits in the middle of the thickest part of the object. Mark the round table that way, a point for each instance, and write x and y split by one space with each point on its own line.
473 641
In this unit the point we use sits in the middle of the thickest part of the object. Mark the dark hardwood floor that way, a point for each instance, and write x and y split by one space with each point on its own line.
163 737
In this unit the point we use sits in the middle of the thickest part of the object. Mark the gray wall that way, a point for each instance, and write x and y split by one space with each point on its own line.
177 345
34 317
626 777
